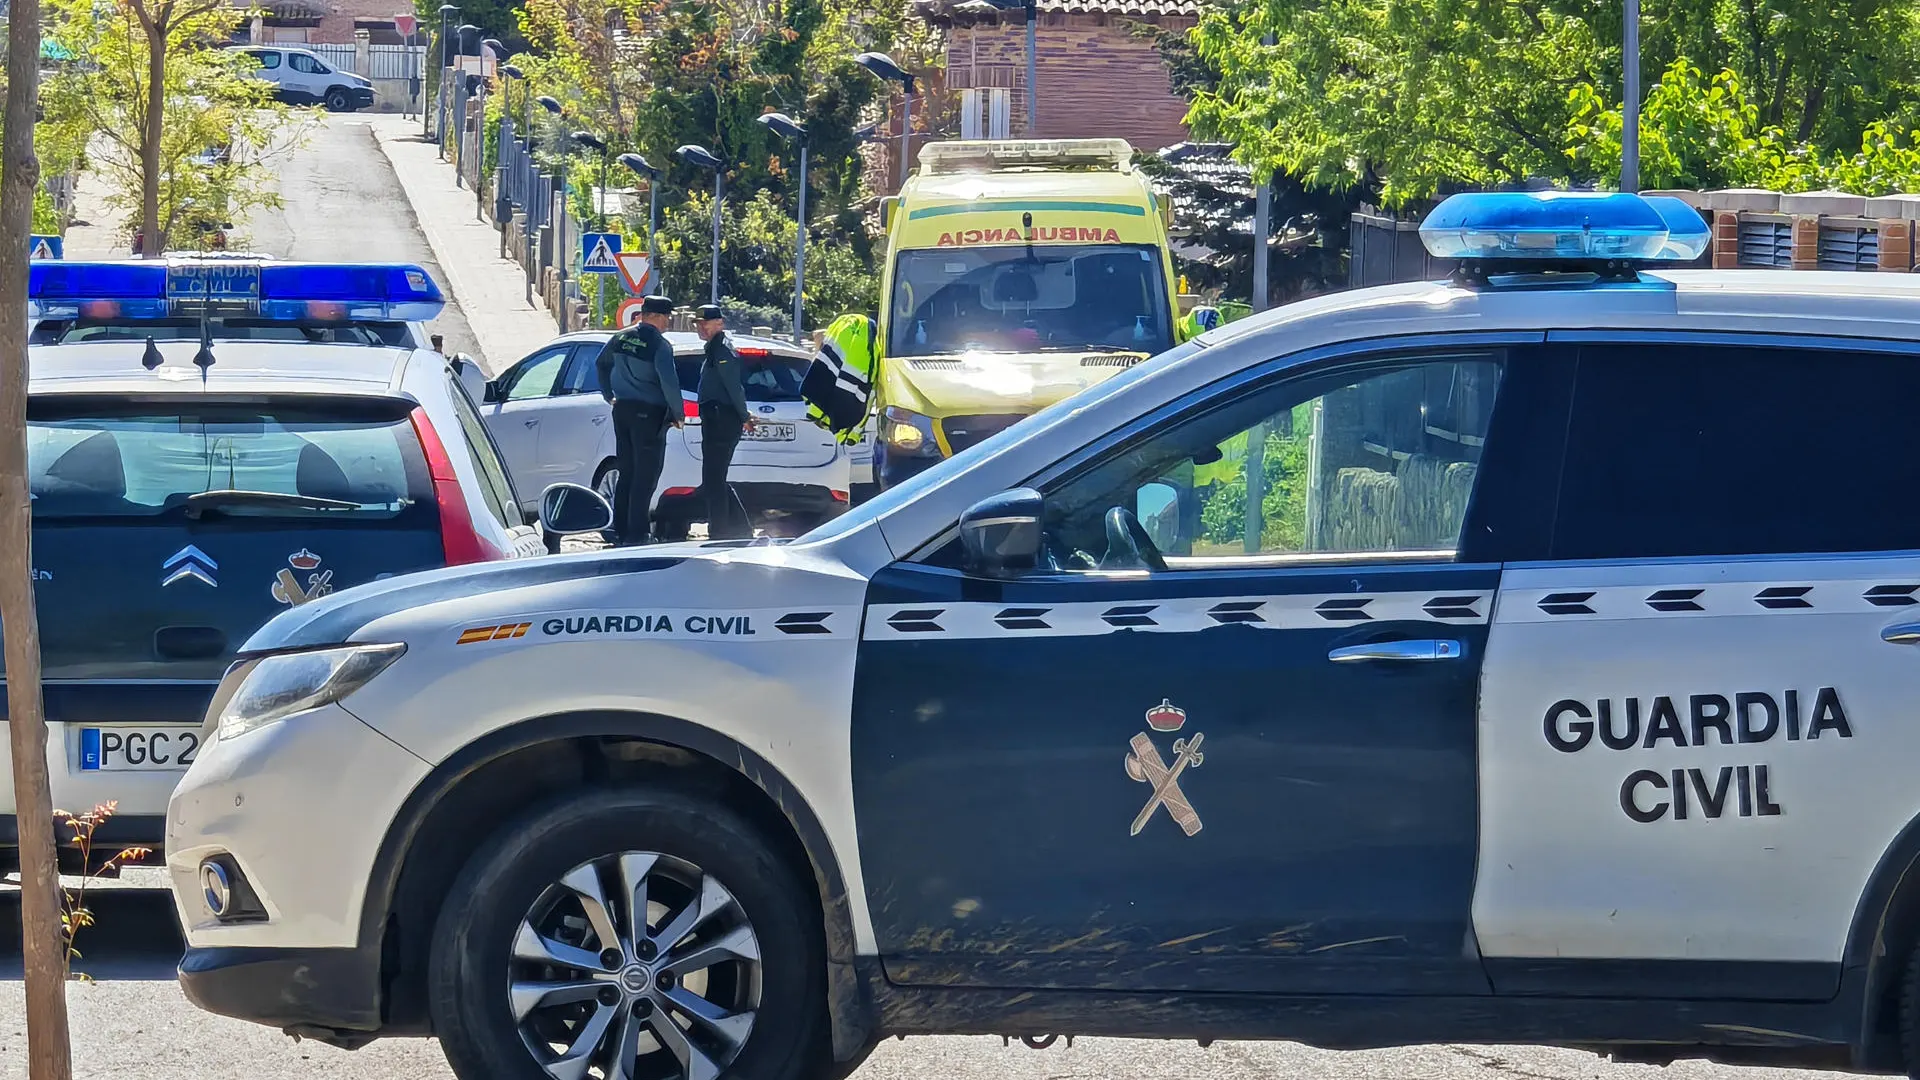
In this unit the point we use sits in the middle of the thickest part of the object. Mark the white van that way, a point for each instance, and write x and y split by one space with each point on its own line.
302 78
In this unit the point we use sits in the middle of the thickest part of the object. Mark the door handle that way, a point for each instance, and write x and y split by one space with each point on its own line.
601 419
533 423
1902 634
1400 651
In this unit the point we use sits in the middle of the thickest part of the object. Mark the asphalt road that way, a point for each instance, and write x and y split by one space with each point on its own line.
342 202
130 1022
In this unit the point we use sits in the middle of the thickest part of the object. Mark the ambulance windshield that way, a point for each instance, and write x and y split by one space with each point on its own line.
1023 299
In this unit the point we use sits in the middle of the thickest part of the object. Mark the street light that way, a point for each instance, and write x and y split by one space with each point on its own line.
1032 9
882 66
639 165
701 158
560 254
794 132
447 12
594 142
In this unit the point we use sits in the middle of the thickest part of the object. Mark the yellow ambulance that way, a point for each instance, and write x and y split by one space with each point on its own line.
1017 273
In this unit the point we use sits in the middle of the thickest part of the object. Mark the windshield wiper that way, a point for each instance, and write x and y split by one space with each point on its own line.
213 501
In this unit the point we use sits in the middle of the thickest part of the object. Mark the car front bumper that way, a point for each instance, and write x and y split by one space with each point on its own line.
298 809
327 994
360 96
890 469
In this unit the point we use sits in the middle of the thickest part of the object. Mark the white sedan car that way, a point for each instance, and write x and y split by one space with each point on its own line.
551 423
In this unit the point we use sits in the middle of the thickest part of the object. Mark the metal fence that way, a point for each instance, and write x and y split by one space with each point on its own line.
396 61
339 56
386 61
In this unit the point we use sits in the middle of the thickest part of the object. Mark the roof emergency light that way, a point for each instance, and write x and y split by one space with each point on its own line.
993 155
1575 229
284 291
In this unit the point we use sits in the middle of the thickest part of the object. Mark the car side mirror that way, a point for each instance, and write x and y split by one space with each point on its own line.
567 509
1001 533
492 392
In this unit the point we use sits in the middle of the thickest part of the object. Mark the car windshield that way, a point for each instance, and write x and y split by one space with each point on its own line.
81 331
1029 299
270 461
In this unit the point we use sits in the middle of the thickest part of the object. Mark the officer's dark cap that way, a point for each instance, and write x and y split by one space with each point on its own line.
656 305
711 311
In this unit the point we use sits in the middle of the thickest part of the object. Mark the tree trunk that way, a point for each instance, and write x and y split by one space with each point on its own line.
43 947
152 242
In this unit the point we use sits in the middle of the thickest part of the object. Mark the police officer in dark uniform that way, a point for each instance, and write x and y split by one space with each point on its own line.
637 375
723 419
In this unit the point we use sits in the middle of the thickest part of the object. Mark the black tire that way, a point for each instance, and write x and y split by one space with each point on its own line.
467 973
338 101
671 530
1910 1015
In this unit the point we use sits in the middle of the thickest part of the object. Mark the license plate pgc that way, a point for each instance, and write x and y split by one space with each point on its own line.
131 749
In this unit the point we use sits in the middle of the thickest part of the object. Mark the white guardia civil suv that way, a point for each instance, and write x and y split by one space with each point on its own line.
1528 656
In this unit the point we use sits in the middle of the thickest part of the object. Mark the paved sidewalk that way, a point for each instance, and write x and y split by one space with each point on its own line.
491 290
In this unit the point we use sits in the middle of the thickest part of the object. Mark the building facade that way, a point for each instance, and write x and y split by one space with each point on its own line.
1097 67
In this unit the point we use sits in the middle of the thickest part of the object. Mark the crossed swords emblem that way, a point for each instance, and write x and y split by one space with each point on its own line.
1144 765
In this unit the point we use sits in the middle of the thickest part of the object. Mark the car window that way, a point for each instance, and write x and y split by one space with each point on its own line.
536 376
768 376
133 462
687 365
495 486
1379 459
1730 450
308 64
268 60
583 370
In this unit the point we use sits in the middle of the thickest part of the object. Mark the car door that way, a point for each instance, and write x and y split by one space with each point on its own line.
575 426
517 404
272 69
311 73
1710 681
1250 769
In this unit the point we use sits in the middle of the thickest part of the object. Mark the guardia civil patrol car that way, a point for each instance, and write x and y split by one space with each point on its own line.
1524 657
209 442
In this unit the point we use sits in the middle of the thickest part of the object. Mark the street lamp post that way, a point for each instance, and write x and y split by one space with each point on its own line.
447 11
701 158
639 165
882 65
1630 117
560 254
787 128
594 142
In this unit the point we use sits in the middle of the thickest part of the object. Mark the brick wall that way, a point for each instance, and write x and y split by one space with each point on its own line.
1097 78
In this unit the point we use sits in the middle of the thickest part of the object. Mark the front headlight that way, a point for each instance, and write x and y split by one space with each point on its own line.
910 433
275 687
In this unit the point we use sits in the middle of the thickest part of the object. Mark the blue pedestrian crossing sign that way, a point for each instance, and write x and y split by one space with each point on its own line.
45 247
597 251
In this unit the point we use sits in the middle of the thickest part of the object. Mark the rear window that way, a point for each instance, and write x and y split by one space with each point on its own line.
770 376
280 461
85 331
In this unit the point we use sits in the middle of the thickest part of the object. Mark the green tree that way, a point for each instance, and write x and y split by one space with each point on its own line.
1436 94
756 253
185 132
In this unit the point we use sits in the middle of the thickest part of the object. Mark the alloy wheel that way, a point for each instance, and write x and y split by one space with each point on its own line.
635 966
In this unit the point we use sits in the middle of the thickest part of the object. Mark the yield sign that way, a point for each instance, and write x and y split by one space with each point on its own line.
636 271
404 24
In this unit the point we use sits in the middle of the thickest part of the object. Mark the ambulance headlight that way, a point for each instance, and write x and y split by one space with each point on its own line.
910 433
275 687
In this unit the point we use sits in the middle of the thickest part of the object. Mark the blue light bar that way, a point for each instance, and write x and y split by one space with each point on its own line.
301 292
1545 226
1687 232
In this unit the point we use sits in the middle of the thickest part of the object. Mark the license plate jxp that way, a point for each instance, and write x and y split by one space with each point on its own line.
124 749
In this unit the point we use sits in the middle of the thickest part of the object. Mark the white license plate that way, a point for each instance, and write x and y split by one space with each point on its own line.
127 749
765 432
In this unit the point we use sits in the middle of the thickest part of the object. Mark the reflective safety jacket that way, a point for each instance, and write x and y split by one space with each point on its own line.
839 383
1196 322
